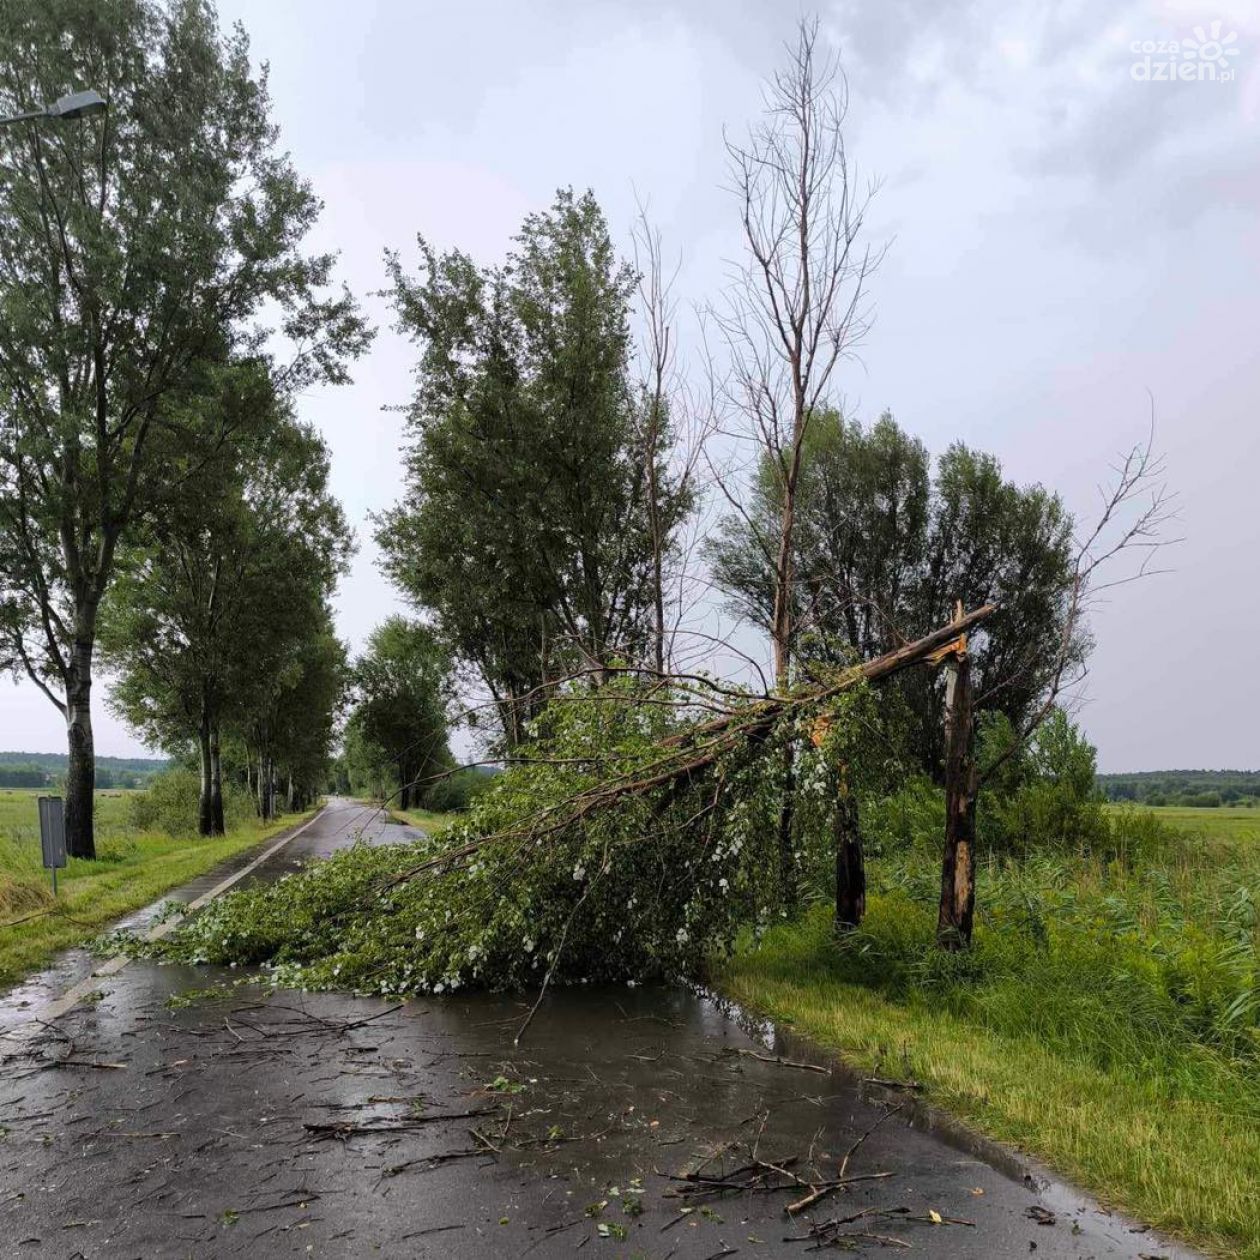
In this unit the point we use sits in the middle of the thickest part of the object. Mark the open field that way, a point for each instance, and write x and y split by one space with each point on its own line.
1106 1020
1237 822
132 869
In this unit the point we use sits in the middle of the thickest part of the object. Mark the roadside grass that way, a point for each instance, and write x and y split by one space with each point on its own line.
427 819
132 869
430 820
1107 1019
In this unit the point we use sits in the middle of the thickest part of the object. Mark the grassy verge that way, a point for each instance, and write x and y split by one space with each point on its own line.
132 870
1106 1020
430 821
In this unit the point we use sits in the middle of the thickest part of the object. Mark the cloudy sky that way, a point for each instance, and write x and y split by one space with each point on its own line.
1071 236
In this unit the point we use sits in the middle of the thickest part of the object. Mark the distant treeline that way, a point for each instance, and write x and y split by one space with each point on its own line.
37 770
1203 788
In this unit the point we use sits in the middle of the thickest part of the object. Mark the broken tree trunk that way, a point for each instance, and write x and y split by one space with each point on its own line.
850 863
958 885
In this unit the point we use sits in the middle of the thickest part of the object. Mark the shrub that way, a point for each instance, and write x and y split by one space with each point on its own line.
911 819
453 795
170 804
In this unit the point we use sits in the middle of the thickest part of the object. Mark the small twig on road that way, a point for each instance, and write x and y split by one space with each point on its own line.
779 1061
345 1128
824 1189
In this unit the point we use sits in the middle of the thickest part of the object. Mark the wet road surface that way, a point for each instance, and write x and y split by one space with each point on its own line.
630 1122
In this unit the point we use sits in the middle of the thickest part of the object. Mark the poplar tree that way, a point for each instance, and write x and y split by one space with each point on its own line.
140 249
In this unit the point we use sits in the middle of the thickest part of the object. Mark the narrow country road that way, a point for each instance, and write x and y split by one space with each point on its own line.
148 1121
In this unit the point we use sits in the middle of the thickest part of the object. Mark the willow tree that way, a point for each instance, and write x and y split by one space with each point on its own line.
889 539
138 250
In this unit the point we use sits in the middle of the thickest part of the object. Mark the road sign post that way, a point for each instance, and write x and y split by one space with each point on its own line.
52 835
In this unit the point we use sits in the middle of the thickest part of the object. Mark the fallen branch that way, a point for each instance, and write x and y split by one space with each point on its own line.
696 750
346 1128
778 1061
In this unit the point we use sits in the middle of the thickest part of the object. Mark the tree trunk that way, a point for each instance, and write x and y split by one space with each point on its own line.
264 788
216 785
654 520
404 789
850 861
787 857
81 761
205 806
958 886
781 641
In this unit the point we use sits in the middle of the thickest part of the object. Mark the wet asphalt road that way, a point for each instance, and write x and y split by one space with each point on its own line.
264 1124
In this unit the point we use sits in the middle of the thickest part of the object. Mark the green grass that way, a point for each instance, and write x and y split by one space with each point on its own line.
430 821
131 870
1106 1020
1237 822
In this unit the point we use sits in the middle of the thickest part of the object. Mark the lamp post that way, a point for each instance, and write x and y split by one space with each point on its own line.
75 105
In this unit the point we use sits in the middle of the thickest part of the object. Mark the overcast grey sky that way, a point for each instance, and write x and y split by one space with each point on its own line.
1067 234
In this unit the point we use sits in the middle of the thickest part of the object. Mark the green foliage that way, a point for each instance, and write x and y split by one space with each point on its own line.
1043 797
23 776
398 727
126 772
650 888
525 528
911 819
170 805
1204 789
455 793
885 544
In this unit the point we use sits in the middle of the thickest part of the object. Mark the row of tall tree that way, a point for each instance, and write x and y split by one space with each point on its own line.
217 625
158 313
526 533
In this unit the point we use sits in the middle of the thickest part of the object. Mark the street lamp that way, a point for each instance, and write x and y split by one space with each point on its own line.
75 105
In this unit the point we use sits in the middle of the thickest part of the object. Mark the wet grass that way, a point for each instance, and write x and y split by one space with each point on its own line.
132 869
424 818
1107 1020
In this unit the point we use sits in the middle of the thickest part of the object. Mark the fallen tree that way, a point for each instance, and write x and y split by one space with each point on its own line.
633 839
